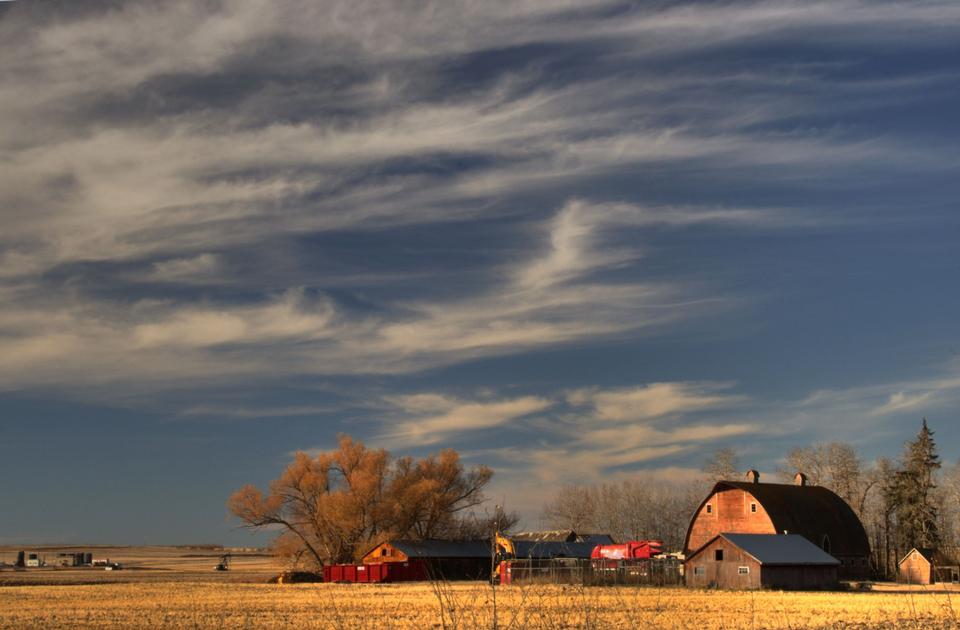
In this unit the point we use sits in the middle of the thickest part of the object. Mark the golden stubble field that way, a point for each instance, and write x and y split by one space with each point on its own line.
183 603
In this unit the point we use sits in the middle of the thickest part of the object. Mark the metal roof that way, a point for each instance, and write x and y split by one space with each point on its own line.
443 548
530 549
550 535
597 539
772 549
561 535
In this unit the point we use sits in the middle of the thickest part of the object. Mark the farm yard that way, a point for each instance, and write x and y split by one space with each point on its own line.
192 602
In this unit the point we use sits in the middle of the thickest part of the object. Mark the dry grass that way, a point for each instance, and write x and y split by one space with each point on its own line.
195 604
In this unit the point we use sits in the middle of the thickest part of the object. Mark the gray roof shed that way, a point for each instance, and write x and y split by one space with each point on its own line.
782 549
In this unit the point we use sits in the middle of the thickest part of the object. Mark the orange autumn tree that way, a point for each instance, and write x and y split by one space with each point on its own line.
333 507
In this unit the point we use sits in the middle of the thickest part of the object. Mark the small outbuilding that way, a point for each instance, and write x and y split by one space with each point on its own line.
752 561
927 566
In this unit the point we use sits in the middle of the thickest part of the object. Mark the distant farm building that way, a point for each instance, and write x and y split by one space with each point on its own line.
562 535
927 566
752 561
74 559
29 559
814 512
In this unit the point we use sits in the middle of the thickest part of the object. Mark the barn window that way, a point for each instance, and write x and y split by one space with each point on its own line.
699 570
383 552
826 543
753 508
743 570
718 555
709 508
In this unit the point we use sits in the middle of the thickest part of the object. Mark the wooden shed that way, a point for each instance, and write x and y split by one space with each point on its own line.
752 561
814 512
927 566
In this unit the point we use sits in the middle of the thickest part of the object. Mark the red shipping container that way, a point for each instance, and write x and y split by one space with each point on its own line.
411 571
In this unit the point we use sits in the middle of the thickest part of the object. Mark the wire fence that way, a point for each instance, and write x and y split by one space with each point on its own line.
635 572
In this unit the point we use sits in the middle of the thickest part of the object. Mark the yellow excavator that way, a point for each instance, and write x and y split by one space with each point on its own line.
504 551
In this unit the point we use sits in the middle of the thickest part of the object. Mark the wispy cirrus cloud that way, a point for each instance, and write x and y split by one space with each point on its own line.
552 297
588 434
435 417
652 401
169 147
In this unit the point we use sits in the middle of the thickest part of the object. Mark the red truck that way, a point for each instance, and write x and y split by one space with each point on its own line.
632 550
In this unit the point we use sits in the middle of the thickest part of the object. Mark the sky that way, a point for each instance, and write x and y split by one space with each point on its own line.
577 241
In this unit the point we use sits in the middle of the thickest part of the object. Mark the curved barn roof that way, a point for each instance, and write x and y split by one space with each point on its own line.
811 511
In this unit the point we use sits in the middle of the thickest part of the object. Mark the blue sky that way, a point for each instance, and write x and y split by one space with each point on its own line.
577 241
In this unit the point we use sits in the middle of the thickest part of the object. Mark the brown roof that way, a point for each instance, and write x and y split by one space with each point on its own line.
811 511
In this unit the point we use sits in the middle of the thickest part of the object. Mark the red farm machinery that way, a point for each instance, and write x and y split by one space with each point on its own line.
632 550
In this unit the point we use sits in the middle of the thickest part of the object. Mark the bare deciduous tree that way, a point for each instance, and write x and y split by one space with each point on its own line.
723 464
633 509
334 506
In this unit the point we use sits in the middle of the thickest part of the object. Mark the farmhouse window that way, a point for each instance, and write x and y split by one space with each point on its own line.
753 508
699 570
709 508
718 555
743 570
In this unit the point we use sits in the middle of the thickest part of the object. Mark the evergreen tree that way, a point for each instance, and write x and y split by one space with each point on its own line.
912 492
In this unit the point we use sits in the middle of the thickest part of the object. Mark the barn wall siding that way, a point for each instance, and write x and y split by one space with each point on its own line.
799 577
730 513
722 574
915 569
377 555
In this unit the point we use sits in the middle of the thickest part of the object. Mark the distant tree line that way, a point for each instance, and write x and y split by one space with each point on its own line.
335 506
904 503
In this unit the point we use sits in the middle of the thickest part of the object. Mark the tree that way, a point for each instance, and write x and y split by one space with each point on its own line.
573 507
833 465
724 464
912 492
634 509
950 516
334 506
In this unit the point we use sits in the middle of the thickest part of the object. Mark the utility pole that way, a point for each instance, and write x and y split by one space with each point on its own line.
493 561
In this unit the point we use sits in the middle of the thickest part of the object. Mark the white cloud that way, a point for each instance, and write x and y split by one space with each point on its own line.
199 267
902 402
451 416
655 400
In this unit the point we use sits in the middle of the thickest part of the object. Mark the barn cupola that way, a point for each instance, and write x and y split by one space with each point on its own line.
753 476
800 479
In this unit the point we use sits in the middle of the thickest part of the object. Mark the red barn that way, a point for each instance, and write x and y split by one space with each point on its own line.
813 512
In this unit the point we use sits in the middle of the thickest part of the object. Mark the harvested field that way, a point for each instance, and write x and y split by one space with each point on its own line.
193 604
